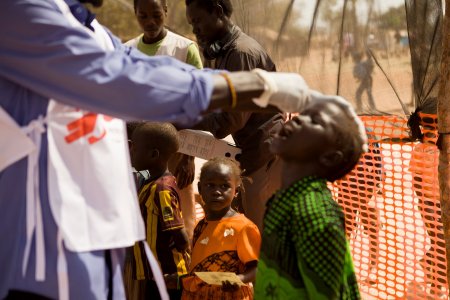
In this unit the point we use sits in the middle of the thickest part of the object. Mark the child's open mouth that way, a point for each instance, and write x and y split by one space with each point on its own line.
286 131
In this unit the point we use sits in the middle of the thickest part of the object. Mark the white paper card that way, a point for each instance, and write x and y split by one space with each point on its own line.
202 144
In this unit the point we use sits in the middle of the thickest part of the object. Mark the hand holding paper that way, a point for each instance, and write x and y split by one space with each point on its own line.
217 278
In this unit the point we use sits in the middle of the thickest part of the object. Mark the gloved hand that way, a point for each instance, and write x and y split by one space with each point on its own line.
287 91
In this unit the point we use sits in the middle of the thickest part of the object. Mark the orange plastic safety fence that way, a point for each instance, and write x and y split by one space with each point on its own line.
392 210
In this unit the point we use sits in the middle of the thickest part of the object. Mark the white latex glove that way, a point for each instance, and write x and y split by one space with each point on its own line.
287 91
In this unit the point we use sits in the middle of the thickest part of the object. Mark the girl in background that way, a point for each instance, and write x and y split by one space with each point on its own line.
225 240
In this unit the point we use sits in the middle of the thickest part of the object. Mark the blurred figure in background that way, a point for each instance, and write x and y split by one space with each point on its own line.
362 71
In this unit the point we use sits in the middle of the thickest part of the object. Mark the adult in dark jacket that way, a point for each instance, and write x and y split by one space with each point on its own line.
225 46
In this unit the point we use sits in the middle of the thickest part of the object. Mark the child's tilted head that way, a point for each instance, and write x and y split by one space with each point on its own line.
327 137
219 181
153 144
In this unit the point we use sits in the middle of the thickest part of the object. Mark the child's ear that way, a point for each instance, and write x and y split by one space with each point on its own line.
154 153
331 159
236 193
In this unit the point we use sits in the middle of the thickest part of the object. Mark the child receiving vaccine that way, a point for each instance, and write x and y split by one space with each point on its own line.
225 240
304 252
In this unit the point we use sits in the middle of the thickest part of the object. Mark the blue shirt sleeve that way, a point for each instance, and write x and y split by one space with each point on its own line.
42 52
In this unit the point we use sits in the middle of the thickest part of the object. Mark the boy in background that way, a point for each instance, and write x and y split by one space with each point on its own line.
156 39
152 146
304 252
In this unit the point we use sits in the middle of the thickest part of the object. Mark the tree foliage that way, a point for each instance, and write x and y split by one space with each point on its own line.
394 18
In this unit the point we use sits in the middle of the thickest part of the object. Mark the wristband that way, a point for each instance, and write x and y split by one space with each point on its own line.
231 88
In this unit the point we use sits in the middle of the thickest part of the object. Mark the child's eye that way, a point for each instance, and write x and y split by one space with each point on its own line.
225 186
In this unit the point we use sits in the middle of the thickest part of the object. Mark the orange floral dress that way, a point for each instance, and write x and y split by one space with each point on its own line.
221 246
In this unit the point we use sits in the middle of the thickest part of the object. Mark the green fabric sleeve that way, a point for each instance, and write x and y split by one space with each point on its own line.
321 246
193 56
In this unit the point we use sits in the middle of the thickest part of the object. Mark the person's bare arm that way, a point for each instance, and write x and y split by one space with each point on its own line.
224 123
183 168
182 244
249 274
181 239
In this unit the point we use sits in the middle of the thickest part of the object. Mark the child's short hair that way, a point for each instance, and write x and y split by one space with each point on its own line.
136 2
351 139
131 126
235 169
162 136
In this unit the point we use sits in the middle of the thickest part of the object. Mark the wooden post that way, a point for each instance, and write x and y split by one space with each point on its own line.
444 130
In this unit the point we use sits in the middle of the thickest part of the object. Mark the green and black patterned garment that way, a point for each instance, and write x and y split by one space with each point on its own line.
304 252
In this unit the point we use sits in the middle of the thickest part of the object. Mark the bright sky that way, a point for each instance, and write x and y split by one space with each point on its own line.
307 8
